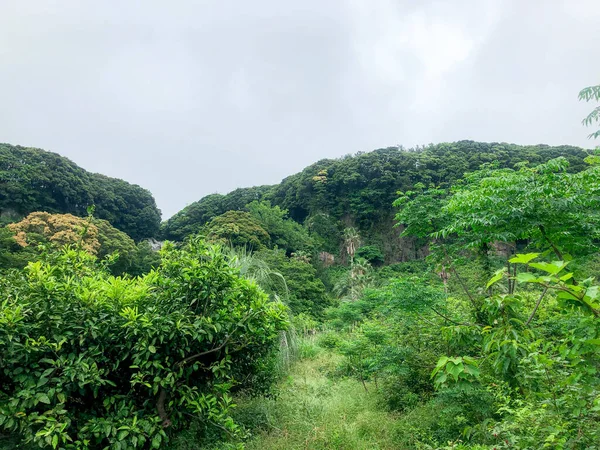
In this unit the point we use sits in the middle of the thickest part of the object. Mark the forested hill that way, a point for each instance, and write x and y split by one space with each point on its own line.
32 179
359 190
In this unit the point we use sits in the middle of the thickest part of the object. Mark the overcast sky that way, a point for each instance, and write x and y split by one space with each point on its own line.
188 98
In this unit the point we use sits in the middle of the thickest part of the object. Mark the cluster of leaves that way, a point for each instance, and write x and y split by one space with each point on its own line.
94 361
57 229
354 281
589 94
371 253
284 232
239 229
35 180
540 356
545 205
13 255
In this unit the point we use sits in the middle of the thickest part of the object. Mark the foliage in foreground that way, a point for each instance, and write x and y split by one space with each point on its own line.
93 361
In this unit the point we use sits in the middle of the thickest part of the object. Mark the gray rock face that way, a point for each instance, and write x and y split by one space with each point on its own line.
155 245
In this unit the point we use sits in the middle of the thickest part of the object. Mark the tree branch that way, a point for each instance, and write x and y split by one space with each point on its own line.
536 306
207 352
160 406
449 319
471 299
557 252
462 284
215 349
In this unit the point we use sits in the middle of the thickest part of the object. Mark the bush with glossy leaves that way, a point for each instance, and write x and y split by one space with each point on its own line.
95 361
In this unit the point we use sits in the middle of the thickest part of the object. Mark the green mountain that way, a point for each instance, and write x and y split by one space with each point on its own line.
358 190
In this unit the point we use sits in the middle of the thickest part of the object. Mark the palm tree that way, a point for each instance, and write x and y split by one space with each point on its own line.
254 268
356 280
351 241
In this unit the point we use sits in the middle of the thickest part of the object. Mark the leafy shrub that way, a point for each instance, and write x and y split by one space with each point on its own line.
238 228
329 340
305 324
284 232
100 239
307 349
58 229
371 253
306 292
94 361
446 418
13 255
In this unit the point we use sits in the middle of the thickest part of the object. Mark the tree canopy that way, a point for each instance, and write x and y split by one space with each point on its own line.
239 229
193 217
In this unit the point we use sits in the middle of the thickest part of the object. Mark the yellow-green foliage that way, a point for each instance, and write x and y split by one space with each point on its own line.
59 229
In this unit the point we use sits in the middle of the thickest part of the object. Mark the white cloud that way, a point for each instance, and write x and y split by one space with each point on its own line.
199 97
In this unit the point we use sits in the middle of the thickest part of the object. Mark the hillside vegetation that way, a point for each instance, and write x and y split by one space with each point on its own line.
32 180
358 191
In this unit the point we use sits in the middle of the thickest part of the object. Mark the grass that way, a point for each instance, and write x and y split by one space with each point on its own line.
313 411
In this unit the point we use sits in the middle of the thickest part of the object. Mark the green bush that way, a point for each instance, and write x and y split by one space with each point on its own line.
306 292
447 418
307 349
238 228
329 340
93 361
371 253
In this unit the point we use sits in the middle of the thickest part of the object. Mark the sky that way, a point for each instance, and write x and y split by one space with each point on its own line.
188 98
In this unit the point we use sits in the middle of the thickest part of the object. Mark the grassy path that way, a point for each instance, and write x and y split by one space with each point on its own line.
313 411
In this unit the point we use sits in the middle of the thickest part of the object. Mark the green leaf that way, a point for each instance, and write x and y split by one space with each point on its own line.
455 370
122 435
156 441
43 398
55 441
566 295
526 277
524 258
592 292
495 278
152 349
441 363
552 268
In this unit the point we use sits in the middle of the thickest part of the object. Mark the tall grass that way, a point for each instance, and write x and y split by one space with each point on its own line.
314 412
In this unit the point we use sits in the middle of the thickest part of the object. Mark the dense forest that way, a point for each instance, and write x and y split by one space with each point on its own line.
358 191
442 297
